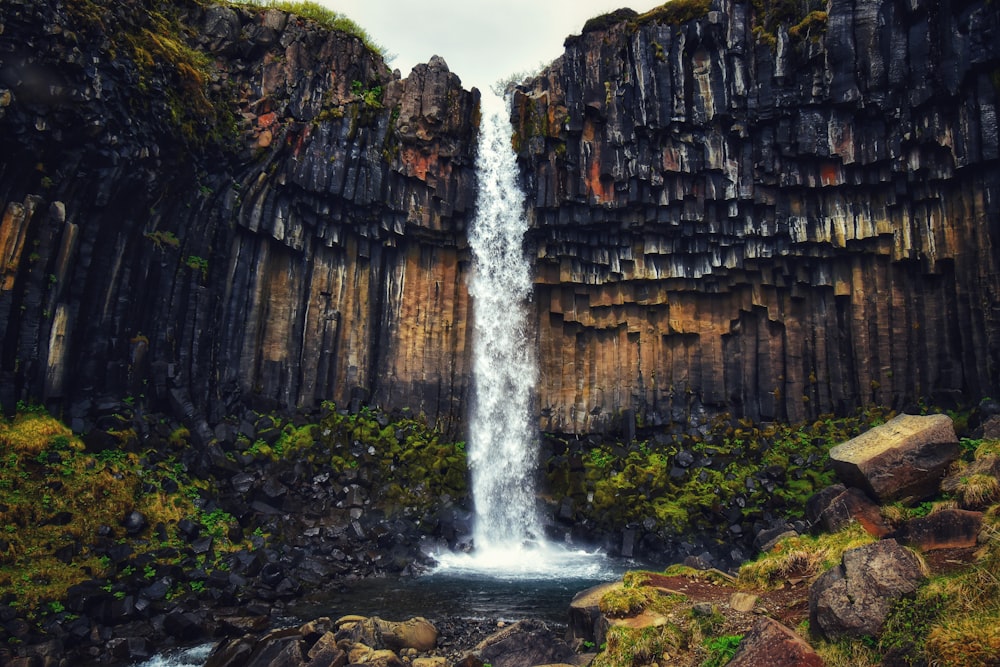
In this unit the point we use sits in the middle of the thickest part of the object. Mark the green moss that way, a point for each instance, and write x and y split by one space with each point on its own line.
813 26
45 472
325 17
605 21
807 18
676 12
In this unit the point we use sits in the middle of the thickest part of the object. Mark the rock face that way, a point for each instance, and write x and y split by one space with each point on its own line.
211 204
733 210
777 216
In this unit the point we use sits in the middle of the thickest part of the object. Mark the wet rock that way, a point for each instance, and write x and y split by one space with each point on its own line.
904 458
586 622
854 598
134 522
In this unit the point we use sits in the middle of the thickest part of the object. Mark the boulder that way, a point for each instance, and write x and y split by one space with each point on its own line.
945 529
586 622
833 508
524 644
905 458
854 598
771 644
416 633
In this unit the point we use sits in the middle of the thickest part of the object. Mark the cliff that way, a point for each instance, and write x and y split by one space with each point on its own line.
207 205
774 209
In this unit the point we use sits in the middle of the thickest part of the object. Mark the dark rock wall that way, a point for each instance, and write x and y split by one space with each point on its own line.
744 212
779 219
203 206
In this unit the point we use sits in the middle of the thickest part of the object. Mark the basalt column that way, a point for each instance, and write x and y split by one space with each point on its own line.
774 214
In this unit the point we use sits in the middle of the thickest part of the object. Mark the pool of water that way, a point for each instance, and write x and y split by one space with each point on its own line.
506 585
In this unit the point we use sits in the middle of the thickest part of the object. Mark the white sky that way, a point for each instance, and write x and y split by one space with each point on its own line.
481 40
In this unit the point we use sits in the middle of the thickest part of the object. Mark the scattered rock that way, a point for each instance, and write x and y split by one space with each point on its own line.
904 458
853 598
586 622
743 602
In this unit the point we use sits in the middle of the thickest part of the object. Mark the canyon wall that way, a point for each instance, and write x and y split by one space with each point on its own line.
769 208
205 206
765 210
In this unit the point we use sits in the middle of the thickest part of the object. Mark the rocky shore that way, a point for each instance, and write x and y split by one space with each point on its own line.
293 525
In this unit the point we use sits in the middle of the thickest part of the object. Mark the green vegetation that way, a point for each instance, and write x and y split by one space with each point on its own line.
722 650
676 12
325 17
803 556
803 19
56 499
198 264
172 76
605 21
419 465
774 467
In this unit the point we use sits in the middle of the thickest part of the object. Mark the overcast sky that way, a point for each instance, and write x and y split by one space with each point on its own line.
481 40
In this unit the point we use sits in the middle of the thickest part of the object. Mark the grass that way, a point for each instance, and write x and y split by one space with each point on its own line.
328 18
801 556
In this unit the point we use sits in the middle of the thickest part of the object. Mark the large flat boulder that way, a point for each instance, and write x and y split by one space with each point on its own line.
905 458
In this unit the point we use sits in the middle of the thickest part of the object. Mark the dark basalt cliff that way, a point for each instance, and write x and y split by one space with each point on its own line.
743 207
204 205
771 212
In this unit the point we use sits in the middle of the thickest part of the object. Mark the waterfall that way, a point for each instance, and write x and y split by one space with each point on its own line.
502 436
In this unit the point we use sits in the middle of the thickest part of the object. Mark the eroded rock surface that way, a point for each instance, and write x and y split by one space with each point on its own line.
776 218
853 599
280 226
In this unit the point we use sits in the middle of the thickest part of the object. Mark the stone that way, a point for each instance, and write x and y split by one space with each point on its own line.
771 644
134 522
834 512
415 633
586 622
853 599
944 529
905 458
743 602
525 643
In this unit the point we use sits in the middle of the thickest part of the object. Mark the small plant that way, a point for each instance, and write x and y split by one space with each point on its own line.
162 239
721 649
198 264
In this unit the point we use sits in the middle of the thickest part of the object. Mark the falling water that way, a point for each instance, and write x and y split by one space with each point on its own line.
502 442
507 535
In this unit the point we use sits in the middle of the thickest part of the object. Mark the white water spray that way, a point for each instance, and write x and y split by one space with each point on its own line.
502 442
